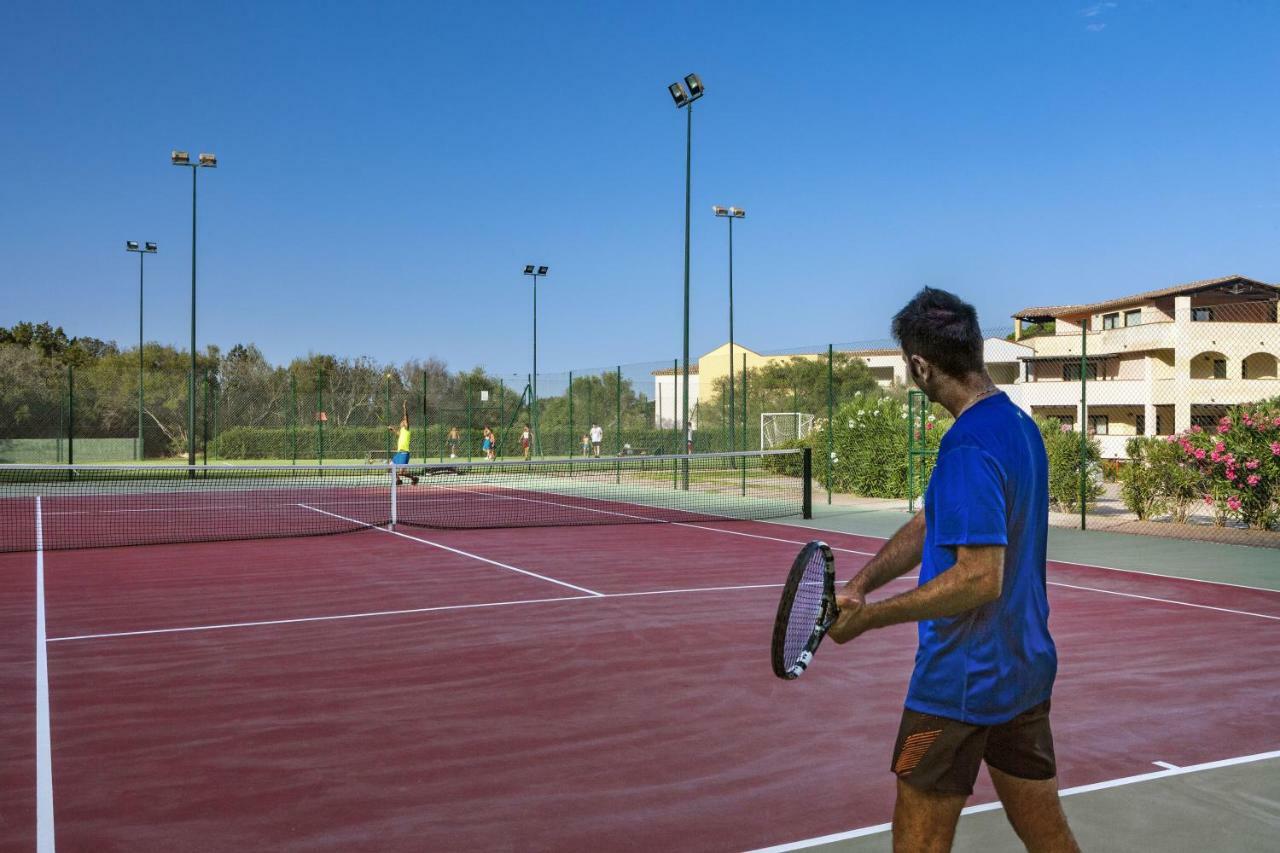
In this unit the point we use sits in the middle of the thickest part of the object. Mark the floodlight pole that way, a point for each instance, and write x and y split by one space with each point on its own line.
143 251
200 163
536 442
730 213
688 190
533 391
191 380
733 445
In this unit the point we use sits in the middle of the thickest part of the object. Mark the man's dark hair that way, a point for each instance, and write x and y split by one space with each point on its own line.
941 328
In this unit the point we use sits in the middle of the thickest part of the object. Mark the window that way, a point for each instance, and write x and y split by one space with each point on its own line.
1109 321
1140 424
1133 318
1098 424
1202 315
1071 371
1219 368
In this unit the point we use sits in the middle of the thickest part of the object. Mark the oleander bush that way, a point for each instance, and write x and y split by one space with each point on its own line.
1238 462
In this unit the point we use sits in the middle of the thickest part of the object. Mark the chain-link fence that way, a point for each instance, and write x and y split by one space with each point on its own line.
1159 412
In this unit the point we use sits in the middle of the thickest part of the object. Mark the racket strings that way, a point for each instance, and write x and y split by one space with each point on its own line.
806 607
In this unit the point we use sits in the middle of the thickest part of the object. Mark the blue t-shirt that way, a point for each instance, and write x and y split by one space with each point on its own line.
990 487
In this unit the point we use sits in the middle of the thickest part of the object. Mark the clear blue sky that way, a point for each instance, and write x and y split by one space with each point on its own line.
387 170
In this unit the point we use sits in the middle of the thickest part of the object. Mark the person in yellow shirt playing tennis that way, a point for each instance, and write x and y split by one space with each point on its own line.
401 459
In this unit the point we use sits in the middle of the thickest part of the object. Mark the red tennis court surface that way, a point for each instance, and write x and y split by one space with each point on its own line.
594 688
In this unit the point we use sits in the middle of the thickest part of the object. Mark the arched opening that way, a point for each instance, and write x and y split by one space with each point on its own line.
1259 365
1209 365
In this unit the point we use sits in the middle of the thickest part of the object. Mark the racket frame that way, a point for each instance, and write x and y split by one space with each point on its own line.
827 613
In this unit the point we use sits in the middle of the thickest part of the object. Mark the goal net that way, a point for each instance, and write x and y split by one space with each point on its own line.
777 428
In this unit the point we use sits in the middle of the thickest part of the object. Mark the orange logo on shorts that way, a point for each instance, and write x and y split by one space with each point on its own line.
913 749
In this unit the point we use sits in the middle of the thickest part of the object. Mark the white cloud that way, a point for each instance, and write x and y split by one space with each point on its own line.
1095 28
1096 9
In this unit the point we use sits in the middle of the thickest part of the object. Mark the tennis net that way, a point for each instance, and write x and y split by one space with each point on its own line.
63 506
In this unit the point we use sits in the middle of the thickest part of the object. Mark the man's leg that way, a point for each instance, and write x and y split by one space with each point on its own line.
1023 767
924 822
1035 812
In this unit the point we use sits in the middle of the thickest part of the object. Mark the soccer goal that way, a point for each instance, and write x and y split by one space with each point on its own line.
777 428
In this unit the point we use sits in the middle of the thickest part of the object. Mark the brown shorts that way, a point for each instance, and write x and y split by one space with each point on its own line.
942 755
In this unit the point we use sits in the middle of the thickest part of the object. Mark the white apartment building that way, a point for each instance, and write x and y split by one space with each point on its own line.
1157 362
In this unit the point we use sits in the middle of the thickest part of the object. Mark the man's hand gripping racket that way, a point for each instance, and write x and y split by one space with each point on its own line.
809 609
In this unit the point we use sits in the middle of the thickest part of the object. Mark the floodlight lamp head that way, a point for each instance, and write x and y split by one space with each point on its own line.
150 247
208 160
696 89
718 210
130 245
180 158
737 212
542 270
528 269
678 94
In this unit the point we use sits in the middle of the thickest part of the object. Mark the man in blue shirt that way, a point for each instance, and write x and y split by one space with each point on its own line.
985 663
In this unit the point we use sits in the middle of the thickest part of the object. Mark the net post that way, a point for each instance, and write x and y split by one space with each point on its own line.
395 481
806 475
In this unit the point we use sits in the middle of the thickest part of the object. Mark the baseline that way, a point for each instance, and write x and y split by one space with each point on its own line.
880 828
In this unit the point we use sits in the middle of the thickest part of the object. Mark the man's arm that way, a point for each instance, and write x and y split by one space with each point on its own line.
899 555
976 579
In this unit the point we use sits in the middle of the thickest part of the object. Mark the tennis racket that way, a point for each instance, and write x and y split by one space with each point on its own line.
806 611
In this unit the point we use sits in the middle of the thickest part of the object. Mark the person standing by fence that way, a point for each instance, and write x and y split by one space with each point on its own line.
526 441
597 438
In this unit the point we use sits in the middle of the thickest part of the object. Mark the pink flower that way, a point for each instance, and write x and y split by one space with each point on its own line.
1172 439
1275 448
1065 428
1208 499
1200 454
1223 429
1254 479
1197 428
1215 456
1220 447
1252 464
1276 422
928 426
1231 473
1234 503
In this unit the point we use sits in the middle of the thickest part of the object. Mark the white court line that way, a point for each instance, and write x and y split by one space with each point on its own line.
1066 792
1166 765
376 613
458 552
1051 583
44 751
770 538
1051 559
1164 600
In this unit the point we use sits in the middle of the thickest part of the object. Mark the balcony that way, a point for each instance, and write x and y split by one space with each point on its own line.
1139 338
